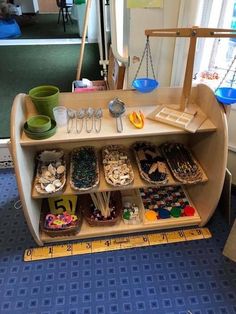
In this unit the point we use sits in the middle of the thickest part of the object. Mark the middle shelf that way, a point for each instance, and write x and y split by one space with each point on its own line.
103 185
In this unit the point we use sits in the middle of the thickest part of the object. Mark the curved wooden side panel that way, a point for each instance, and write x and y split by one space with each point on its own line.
211 150
24 168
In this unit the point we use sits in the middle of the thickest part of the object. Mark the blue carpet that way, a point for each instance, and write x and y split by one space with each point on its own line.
183 278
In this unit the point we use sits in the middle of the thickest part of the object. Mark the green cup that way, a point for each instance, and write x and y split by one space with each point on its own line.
45 98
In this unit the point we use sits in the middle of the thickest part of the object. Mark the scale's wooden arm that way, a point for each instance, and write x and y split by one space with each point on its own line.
191 32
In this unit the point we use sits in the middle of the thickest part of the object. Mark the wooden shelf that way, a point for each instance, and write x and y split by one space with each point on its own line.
87 231
210 138
104 186
108 130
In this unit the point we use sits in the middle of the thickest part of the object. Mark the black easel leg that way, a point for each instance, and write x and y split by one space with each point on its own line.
63 18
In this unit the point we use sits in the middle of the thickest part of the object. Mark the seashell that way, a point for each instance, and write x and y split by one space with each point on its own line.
46 174
50 188
43 180
57 183
42 186
60 169
51 169
48 156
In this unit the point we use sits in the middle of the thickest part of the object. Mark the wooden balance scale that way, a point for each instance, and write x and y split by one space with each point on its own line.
185 115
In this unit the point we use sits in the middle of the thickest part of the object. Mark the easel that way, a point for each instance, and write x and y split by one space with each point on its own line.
188 116
86 20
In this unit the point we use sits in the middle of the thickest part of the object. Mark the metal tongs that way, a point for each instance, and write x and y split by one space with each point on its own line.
98 120
89 113
80 114
70 119
117 108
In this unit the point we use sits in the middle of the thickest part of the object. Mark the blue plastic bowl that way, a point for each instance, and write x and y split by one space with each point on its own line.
226 95
145 85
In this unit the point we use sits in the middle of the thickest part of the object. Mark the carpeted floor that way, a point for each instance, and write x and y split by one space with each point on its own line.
24 67
182 278
42 26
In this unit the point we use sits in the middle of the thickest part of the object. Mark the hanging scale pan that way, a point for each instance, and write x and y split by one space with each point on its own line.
145 84
226 95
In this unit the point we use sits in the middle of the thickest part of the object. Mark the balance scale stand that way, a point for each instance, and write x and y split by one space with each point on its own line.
187 116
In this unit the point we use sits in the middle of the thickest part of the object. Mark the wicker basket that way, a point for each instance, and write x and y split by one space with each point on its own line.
145 176
70 230
122 151
96 173
43 163
115 201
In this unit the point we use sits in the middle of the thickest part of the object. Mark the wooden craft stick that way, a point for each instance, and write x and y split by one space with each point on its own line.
94 199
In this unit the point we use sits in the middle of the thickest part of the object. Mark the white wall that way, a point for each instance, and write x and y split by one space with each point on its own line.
169 54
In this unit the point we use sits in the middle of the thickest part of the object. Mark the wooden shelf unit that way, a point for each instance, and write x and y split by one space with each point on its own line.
210 138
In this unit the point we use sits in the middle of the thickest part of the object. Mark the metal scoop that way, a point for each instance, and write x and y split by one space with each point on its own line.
117 108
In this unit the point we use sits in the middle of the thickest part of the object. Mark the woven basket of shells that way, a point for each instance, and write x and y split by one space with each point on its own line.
84 168
117 166
102 208
62 224
182 163
152 166
51 171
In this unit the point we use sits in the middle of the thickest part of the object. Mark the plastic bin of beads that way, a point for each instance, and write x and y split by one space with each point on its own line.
62 224
170 204
132 207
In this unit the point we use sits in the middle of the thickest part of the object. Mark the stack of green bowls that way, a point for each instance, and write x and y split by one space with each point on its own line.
40 127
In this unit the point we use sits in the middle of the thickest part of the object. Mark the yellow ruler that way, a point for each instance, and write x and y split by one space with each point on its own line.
104 245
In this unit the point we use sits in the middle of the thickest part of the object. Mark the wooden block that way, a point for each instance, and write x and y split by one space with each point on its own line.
193 234
62 250
82 248
169 114
175 236
157 238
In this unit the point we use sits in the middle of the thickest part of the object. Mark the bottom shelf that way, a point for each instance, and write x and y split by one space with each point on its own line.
158 196
121 228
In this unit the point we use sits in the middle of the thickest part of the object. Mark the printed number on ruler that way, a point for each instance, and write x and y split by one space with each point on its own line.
62 203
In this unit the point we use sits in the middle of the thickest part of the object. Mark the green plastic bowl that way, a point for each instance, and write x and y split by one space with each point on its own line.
42 135
45 98
39 123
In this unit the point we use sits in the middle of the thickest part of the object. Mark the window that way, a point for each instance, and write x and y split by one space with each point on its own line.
218 54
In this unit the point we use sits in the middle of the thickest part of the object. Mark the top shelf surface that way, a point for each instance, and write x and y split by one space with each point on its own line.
133 100
108 129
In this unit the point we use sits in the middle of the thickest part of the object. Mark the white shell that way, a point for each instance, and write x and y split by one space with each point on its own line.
57 183
50 188
51 169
